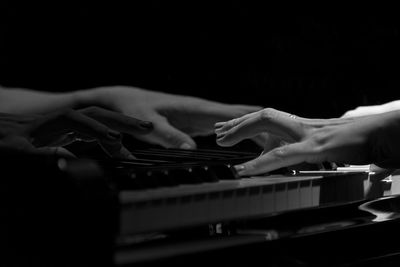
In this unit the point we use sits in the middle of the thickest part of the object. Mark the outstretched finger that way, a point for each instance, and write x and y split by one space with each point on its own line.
118 121
275 122
116 150
224 126
166 135
280 157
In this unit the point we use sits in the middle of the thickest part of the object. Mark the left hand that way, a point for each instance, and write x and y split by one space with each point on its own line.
176 118
48 133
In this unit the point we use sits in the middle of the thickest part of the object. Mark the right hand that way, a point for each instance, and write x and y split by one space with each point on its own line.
363 140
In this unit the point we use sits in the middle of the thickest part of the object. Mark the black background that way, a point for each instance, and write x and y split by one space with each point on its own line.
316 64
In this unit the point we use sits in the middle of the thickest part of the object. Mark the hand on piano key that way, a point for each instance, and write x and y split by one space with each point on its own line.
294 140
46 134
176 118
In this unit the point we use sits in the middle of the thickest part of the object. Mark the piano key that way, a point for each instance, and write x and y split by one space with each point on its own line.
224 172
185 176
227 204
268 199
293 195
254 200
206 174
305 193
315 192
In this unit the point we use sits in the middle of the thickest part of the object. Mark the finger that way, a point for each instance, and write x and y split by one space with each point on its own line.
283 156
109 139
53 151
227 125
56 140
14 144
166 135
212 113
267 120
229 111
118 121
116 150
71 121
221 110
17 145
221 127
232 123
69 139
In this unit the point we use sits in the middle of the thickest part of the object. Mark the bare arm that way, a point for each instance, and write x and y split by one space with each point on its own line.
375 109
26 101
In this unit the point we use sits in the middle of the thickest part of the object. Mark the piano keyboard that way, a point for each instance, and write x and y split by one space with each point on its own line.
167 189
190 205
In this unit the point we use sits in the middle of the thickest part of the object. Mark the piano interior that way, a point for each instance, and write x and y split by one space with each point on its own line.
172 206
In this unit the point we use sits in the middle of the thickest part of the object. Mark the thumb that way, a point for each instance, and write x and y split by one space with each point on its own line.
166 135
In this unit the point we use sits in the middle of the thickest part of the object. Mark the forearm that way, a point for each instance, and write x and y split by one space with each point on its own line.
18 101
393 105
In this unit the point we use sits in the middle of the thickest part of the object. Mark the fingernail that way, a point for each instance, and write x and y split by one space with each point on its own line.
130 156
146 124
185 146
114 135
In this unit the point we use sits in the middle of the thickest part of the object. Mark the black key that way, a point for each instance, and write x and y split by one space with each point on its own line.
224 171
185 176
205 174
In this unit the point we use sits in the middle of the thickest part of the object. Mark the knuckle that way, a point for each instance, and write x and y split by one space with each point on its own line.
267 114
233 122
280 152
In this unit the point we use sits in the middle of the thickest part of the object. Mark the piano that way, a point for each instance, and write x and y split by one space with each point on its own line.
172 206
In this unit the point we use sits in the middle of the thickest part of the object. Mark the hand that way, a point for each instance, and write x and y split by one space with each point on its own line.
176 118
46 134
364 140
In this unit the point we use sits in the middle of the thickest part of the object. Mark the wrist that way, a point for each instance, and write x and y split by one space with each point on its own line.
89 97
393 105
